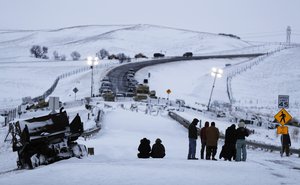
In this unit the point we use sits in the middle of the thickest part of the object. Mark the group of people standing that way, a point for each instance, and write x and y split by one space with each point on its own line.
234 147
145 151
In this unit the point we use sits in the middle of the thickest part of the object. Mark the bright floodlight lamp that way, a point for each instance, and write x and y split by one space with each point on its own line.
96 61
92 62
89 62
215 73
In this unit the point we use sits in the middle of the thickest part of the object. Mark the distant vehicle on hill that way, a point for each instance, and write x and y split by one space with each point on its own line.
188 54
111 57
158 55
140 55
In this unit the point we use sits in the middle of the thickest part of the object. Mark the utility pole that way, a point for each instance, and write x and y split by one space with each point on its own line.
288 35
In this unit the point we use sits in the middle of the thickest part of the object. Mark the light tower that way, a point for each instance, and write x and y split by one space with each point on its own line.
92 62
215 73
288 35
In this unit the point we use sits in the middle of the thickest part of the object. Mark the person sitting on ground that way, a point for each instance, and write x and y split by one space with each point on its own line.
158 149
144 148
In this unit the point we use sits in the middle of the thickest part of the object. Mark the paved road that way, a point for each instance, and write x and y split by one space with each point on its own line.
117 74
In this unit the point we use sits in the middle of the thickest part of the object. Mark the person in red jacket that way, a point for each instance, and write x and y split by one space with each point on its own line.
203 138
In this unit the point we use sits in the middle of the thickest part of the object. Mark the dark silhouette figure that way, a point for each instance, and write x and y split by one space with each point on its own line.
158 149
203 138
282 115
228 149
144 148
193 139
286 143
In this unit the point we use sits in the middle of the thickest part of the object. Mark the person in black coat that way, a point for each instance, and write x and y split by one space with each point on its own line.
144 148
229 150
193 139
158 149
286 143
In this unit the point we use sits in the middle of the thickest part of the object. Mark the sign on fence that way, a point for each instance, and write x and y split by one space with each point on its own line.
283 117
283 101
282 130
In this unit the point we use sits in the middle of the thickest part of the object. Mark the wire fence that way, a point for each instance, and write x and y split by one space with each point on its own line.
247 65
10 113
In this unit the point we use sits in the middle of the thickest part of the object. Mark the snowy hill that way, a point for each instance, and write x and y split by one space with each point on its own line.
255 88
276 75
128 39
87 40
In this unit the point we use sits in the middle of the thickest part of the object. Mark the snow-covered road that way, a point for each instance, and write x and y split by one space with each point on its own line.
115 161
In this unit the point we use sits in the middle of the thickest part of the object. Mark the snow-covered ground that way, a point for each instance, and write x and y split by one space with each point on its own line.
115 160
18 80
188 80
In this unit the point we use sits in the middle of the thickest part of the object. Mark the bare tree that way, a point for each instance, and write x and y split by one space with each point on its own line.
75 55
63 57
102 53
55 55
39 52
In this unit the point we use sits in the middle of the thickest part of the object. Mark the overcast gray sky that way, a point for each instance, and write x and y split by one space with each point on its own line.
251 19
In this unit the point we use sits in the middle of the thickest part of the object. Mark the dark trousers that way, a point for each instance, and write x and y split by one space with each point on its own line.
286 149
211 151
203 146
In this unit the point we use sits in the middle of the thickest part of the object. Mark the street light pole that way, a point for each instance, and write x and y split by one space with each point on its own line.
215 73
92 62
92 80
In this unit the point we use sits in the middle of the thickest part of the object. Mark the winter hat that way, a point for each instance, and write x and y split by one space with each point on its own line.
158 140
241 124
195 121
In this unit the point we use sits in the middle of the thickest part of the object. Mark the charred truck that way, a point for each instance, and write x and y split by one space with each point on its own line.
46 139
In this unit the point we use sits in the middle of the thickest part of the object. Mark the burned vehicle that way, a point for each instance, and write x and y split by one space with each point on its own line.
46 139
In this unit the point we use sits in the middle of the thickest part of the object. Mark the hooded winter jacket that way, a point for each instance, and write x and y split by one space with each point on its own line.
158 150
212 136
193 129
